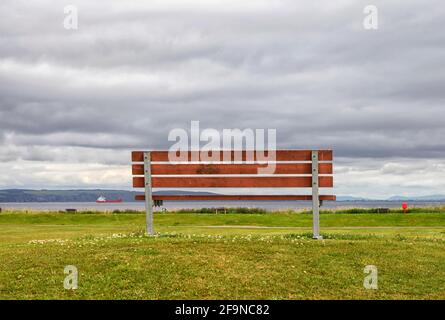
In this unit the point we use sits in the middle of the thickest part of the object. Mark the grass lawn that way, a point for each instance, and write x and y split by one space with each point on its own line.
224 256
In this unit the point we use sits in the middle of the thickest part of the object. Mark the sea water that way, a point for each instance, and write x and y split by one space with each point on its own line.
172 205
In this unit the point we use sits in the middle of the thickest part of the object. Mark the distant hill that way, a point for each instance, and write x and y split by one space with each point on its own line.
437 197
20 195
394 198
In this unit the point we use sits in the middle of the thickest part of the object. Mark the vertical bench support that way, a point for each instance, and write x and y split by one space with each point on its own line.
315 197
148 193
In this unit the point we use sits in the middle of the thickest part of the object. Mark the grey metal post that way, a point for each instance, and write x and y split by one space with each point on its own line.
148 193
315 197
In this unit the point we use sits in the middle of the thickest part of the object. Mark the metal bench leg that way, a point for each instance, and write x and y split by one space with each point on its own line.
148 193
315 198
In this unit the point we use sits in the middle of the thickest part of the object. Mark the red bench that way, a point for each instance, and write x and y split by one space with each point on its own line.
293 169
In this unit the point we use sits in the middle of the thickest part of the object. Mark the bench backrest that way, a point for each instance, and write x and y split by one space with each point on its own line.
293 169
239 169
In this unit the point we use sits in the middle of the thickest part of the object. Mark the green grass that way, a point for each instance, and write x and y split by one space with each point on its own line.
222 256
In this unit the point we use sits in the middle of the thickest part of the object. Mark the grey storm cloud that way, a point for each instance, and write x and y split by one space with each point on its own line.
135 70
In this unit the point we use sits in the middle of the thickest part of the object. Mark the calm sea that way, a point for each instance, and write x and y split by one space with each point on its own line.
170 205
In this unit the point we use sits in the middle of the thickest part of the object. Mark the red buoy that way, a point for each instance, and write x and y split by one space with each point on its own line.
405 207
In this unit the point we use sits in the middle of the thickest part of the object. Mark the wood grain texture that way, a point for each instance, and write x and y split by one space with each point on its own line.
194 169
236 197
234 182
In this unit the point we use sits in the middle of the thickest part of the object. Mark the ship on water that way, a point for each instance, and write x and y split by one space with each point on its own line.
102 199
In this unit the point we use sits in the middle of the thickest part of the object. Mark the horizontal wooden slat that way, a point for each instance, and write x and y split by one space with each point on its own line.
281 155
190 169
187 197
233 182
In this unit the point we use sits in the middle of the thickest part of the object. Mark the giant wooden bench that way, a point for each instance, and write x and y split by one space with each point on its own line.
294 169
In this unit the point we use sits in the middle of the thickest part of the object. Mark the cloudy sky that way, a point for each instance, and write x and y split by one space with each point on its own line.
74 103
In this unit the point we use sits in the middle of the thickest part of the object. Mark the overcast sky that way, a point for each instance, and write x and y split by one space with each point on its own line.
74 103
